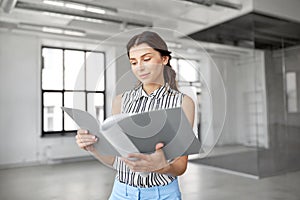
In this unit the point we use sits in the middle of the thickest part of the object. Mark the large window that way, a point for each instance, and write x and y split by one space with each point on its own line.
187 72
188 75
71 78
291 92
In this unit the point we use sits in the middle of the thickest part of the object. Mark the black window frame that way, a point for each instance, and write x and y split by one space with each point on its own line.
64 132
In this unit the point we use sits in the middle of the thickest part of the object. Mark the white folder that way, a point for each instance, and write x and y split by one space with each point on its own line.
131 133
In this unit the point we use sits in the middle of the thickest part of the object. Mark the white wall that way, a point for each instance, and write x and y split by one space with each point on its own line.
19 98
20 110
124 76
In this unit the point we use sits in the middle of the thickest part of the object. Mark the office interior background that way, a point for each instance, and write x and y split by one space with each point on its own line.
238 59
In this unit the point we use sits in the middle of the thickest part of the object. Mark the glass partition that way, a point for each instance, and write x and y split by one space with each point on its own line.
245 130
260 136
282 77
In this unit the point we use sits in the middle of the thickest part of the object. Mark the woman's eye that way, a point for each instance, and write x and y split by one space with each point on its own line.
147 59
133 63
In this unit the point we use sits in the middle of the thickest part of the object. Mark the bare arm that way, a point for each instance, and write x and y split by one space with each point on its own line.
178 166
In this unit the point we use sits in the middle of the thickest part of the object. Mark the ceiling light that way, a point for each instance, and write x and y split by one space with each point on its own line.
54 3
174 45
51 29
74 17
74 33
95 10
75 6
78 6
63 31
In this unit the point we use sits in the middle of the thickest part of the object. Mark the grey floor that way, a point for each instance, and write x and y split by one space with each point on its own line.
90 180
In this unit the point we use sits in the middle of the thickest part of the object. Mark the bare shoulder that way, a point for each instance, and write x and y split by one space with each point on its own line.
187 102
116 104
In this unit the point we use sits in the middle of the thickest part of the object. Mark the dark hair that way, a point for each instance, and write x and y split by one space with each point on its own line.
158 44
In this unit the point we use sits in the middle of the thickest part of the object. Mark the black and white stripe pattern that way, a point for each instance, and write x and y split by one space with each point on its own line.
138 101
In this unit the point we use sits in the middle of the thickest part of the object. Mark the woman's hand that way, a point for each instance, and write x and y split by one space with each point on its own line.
139 162
85 140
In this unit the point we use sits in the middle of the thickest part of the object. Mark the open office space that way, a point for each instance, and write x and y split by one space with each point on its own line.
239 61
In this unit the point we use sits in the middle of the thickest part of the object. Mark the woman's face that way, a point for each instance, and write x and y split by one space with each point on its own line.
147 64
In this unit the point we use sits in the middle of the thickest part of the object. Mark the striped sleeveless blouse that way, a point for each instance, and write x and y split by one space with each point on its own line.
138 101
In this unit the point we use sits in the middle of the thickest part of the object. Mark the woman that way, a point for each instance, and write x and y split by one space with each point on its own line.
157 89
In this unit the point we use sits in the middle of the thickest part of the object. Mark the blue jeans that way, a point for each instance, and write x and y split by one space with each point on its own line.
122 191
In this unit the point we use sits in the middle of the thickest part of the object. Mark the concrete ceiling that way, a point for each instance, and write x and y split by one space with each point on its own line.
253 30
181 17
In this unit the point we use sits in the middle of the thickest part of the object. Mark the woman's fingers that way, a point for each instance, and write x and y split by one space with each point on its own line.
88 146
138 156
86 137
159 146
82 132
137 165
85 140
147 162
85 144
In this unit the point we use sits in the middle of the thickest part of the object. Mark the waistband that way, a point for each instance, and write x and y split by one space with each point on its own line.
155 190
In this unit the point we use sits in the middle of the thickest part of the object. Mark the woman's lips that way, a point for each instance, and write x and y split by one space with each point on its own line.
144 75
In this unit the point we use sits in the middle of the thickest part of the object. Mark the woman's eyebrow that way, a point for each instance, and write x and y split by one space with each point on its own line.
140 56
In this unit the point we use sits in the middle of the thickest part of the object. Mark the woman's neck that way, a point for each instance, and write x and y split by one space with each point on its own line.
149 88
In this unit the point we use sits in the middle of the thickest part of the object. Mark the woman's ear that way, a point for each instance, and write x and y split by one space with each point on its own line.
165 59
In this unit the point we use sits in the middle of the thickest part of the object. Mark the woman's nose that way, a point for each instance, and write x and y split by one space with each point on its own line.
140 66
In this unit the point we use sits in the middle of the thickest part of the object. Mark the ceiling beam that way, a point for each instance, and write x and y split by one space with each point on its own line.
222 3
81 13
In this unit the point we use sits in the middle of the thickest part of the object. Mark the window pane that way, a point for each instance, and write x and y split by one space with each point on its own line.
173 63
73 100
96 105
95 71
74 70
291 89
52 72
188 70
52 111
